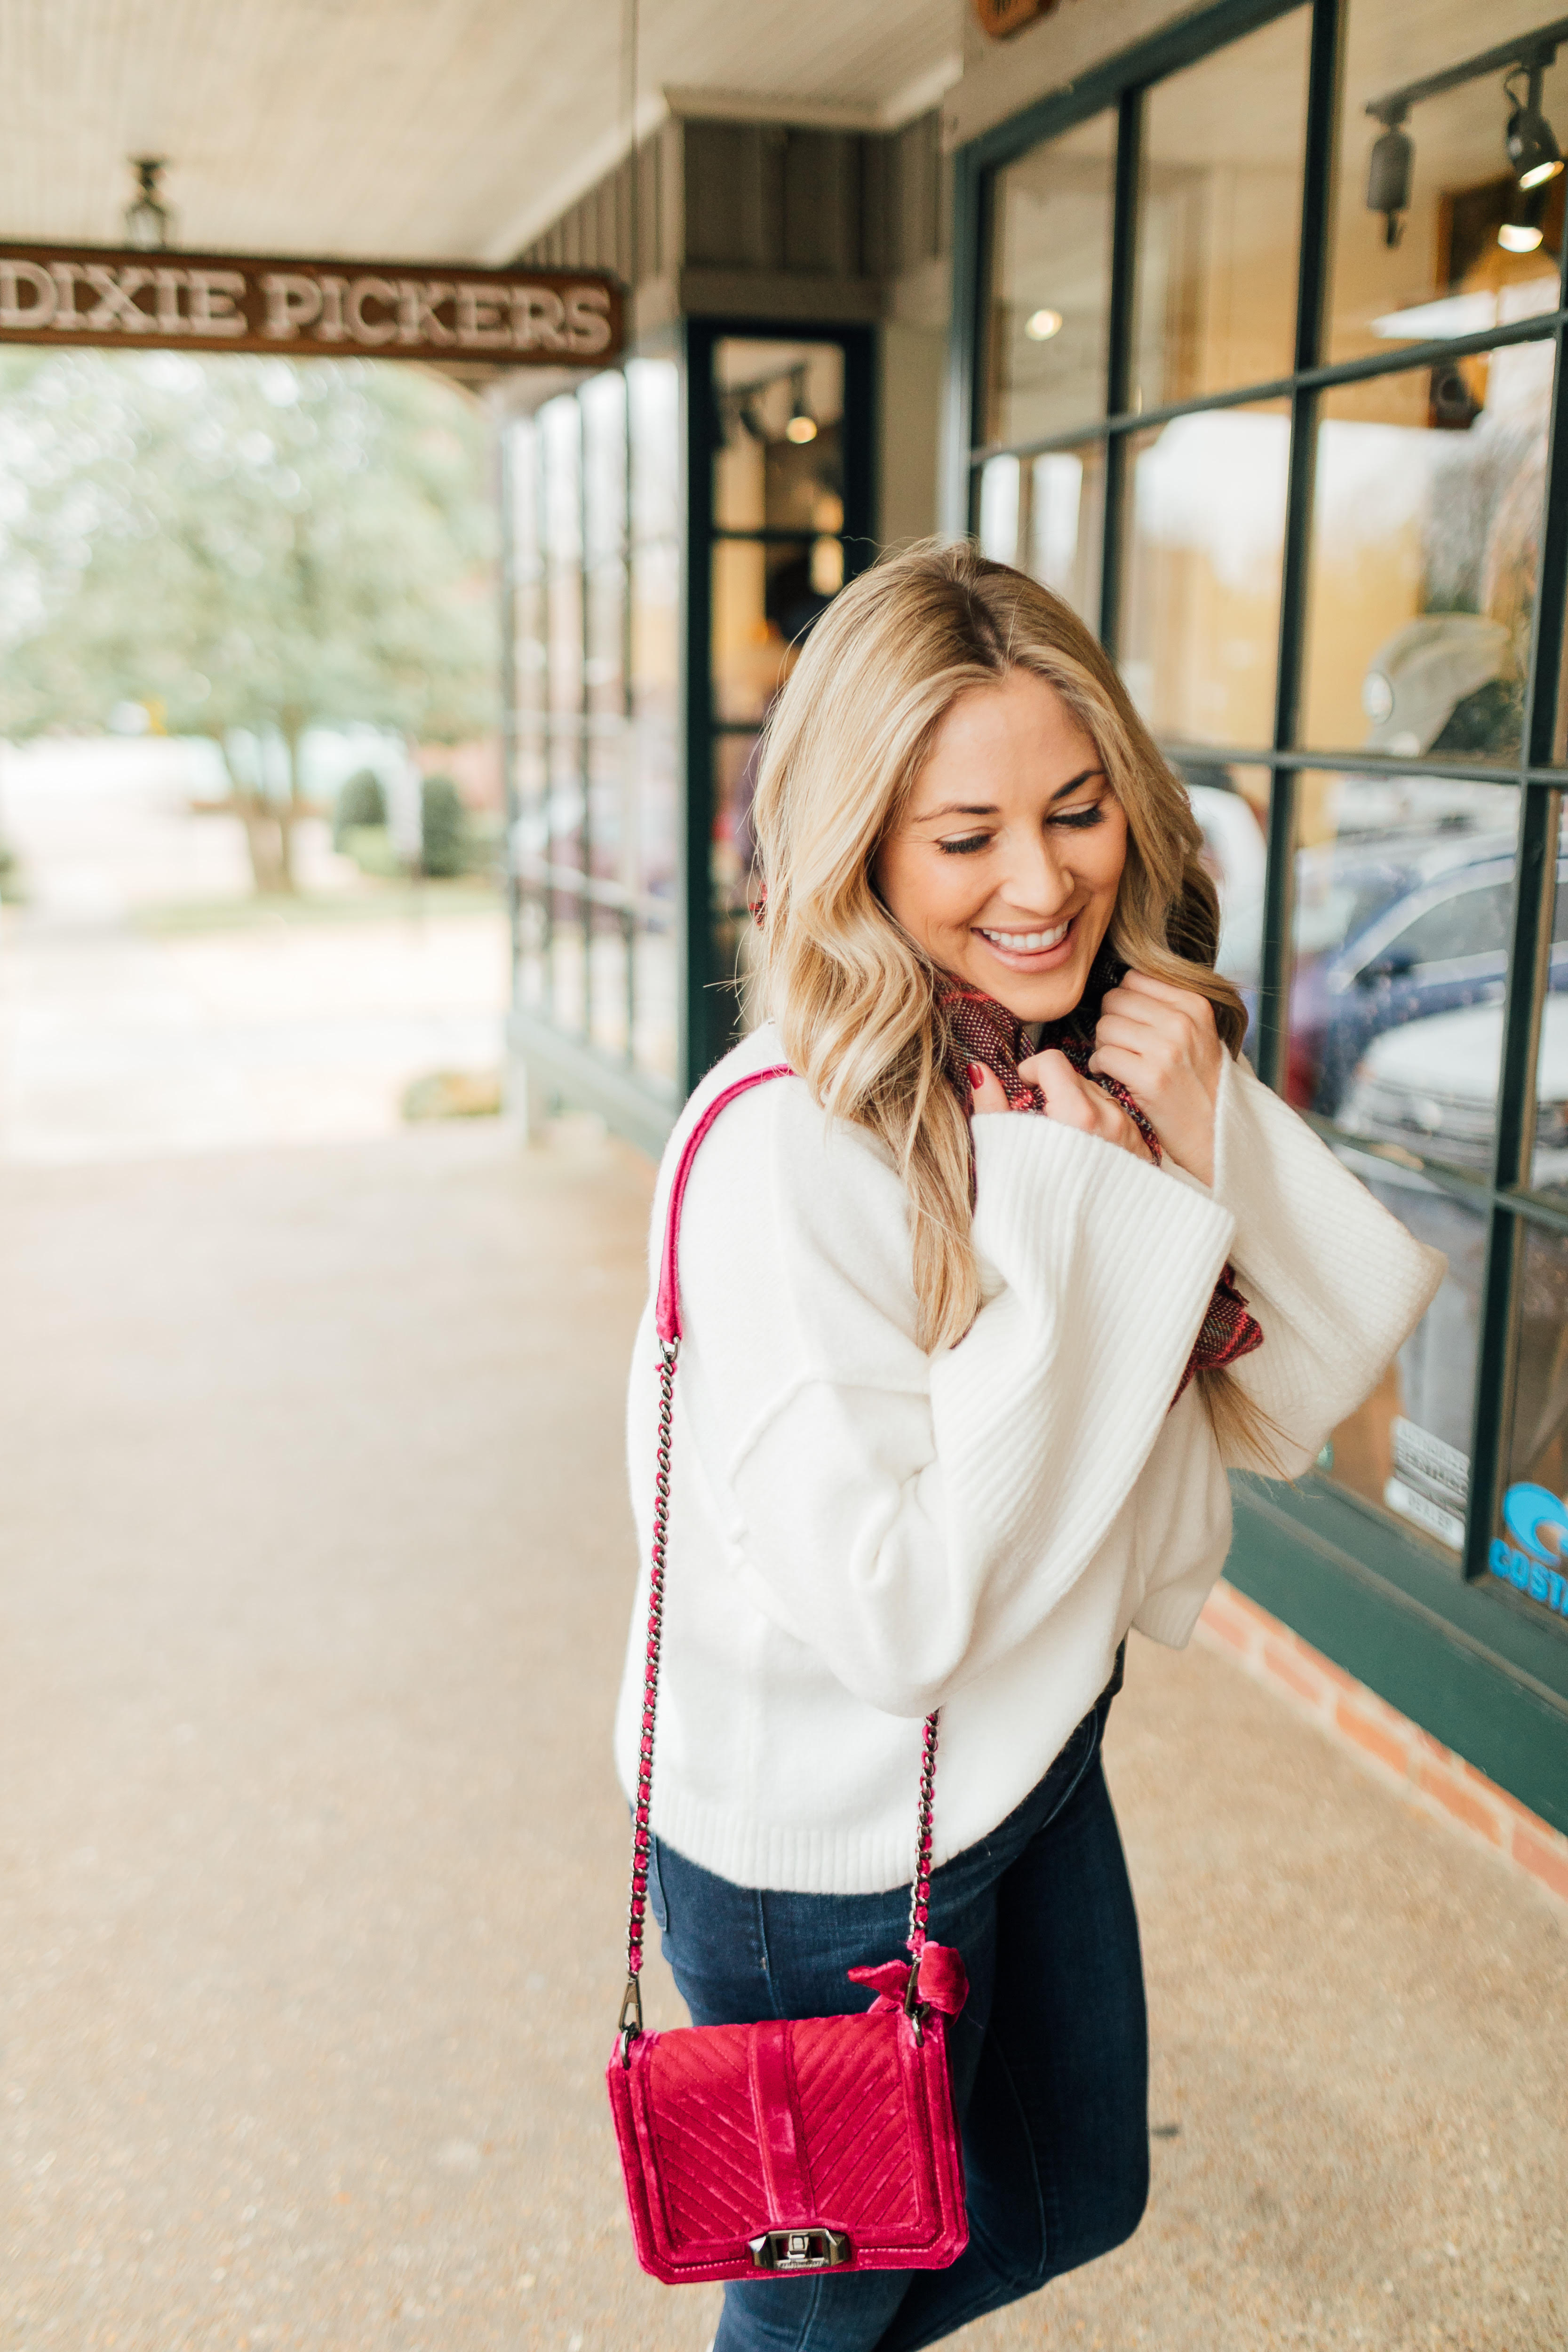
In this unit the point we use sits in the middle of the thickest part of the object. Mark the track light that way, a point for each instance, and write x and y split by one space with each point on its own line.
1041 325
148 221
1388 177
1522 231
1531 144
802 426
1534 153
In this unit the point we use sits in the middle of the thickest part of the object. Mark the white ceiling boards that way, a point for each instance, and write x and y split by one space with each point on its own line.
442 129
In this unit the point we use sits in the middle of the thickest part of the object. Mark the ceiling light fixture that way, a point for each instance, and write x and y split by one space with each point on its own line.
149 224
1041 325
1531 145
802 426
1522 231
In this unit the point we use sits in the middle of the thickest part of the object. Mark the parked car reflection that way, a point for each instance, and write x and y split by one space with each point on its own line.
1432 1086
1391 928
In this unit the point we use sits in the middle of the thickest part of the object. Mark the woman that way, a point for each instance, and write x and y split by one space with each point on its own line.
960 1387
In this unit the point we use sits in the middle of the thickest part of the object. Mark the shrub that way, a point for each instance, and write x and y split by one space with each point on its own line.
444 822
361 801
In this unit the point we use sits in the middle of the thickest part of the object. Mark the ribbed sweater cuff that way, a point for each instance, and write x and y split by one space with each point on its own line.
1036 1180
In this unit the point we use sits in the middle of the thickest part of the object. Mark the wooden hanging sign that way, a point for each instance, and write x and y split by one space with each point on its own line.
129 300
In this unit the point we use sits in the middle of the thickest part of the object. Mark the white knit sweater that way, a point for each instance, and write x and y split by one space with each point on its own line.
860 1531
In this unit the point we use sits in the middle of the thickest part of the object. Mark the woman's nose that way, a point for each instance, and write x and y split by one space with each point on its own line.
1036 882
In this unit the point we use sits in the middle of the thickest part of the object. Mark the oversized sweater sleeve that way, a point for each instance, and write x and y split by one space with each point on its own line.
909 1516
1337 1283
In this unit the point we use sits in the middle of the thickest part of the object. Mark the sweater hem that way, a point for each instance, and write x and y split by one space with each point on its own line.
782 1856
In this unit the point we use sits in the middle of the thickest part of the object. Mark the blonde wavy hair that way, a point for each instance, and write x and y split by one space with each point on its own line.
855 998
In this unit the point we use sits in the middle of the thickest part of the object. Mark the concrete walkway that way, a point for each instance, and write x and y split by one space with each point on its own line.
316 1561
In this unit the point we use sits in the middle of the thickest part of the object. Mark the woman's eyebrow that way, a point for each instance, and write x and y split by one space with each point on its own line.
1073 783
988 808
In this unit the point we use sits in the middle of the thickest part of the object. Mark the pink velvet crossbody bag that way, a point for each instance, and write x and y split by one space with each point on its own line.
799 2145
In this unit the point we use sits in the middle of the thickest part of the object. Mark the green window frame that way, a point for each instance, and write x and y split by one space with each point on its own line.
1445 1642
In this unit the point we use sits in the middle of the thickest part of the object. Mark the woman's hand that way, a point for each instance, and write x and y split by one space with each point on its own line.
1160 1044
1071 1099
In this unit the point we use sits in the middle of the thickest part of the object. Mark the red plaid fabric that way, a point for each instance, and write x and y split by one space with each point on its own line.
981 1030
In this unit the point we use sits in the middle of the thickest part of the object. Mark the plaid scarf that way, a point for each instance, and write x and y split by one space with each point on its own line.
981 1030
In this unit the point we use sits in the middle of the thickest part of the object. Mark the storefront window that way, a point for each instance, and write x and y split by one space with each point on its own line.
778 560
1426 536
1319 578
1200 627
1050 299
1445 270
1219 220
595 577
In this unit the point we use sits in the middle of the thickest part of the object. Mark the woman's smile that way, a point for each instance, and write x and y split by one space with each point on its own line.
1036 950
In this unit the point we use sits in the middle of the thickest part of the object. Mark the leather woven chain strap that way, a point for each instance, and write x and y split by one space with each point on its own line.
667 1323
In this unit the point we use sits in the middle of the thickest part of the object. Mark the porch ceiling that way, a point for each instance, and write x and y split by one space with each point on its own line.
440 129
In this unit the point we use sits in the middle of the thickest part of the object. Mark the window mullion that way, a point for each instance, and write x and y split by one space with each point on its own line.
1535 896
1323 80
1119 360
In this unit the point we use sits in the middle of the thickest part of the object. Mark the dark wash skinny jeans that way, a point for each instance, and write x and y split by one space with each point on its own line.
1049 2056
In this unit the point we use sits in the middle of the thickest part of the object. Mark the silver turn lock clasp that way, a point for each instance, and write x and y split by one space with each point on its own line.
800 2250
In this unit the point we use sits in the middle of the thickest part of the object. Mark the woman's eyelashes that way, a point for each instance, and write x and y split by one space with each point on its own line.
1076 821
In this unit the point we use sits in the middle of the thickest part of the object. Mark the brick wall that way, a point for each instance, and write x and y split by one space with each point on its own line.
1388 1743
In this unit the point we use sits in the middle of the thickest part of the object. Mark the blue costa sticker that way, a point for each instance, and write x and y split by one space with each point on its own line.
1537 1519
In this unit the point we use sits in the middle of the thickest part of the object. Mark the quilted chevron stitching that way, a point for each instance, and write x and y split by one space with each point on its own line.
863 2106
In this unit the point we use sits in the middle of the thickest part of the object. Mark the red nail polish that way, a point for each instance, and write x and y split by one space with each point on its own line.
976 1076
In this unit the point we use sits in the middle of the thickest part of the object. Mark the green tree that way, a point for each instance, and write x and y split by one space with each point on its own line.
243 543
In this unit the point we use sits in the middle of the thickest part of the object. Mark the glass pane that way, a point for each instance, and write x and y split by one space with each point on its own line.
766 596
779 464
560 429
1046 515
1200 626
653 831
531 979
655 616
1403 886
610 1023
1447 273
1527 1552
1549 1172
1408 1448
1425 533
603 674
603 399
1231 805
655 1030
564 963
653 402
1050 289
1220 219
527 568
736 759
566 805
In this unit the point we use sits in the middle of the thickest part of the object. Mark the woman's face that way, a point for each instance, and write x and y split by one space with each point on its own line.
1007 860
